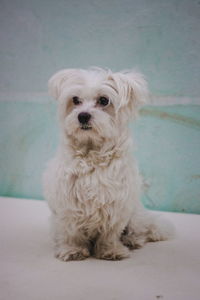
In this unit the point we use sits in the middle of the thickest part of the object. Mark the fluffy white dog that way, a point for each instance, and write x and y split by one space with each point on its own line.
93 184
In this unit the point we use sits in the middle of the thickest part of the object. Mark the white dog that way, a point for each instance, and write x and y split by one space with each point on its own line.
93 184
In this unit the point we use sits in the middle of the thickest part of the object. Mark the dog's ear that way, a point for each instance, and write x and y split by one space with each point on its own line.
59 79
132 89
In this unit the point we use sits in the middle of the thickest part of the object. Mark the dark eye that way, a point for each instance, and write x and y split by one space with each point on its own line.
103 101
76 100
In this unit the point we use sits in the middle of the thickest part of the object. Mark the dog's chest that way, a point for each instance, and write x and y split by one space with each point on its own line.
92 187
97 200
97 196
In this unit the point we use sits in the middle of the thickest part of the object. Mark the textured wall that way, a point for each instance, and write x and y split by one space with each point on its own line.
160 38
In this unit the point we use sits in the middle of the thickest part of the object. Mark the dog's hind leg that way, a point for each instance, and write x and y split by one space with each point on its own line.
146 227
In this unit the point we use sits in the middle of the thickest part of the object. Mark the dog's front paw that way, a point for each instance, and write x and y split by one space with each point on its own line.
113 253
66 253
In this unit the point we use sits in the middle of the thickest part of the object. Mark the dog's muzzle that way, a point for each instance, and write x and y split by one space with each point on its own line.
84 118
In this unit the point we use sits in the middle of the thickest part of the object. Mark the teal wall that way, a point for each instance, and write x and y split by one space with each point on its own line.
160 38
168 142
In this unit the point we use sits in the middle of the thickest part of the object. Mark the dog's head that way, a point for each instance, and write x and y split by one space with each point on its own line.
96 104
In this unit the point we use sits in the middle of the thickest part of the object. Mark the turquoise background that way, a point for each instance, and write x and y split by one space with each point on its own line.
160 38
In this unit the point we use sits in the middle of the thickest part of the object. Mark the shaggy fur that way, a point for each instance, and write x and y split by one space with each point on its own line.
93 185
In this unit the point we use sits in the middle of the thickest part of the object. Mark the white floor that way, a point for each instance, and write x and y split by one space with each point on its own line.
164 270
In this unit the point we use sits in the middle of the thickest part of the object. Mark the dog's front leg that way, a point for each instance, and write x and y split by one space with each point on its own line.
109 247
69 243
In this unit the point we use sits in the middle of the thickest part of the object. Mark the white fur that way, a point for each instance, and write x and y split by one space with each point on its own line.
93 185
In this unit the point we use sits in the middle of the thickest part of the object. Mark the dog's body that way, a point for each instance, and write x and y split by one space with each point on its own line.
93 184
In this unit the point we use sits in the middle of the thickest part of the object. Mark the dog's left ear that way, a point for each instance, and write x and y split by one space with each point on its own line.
58 80
132 89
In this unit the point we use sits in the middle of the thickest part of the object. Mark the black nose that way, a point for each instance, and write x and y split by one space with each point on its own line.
84 117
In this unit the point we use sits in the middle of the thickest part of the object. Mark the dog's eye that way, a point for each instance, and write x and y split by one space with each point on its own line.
76 100
103 101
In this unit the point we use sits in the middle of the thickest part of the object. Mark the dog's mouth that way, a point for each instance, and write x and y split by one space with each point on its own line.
86 127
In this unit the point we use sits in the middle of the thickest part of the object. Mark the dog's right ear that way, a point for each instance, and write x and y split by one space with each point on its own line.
58 80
